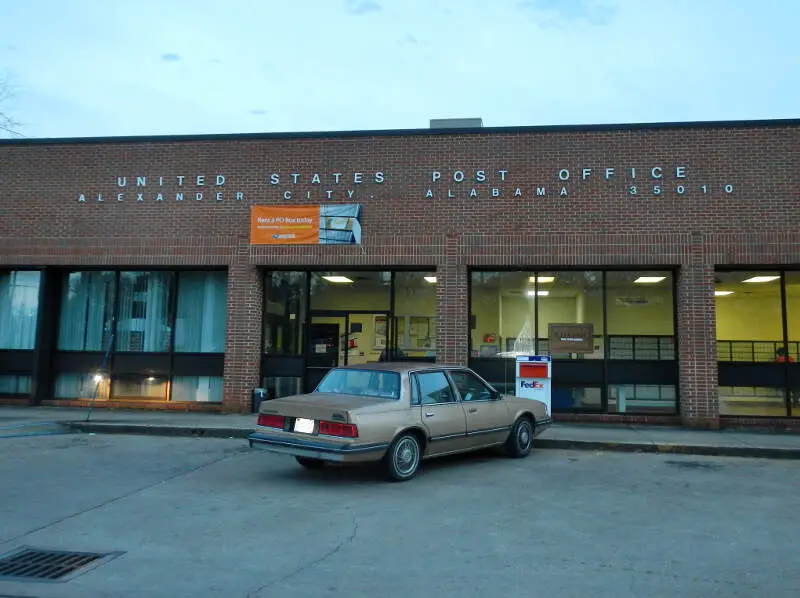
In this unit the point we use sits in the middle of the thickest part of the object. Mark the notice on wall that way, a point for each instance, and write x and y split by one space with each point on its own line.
332 224
570 338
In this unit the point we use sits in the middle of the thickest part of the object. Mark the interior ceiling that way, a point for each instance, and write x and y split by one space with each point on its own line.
566 283
734 281
375 281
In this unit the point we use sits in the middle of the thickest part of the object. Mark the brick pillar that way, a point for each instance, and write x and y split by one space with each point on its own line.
243 337
452 321
697 343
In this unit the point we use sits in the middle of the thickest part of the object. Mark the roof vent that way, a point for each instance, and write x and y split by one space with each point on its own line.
456 123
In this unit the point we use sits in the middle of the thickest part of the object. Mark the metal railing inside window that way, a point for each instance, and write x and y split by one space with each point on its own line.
631 348
641 348
755 351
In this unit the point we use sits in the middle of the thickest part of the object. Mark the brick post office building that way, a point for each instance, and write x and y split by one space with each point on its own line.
185 272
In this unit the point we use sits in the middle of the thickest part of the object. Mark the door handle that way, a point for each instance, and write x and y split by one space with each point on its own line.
429 414
473 409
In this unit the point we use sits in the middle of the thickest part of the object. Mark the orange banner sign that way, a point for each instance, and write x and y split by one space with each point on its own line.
271 225
336 224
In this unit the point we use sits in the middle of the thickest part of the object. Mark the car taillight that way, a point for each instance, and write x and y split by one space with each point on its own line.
337 429
271 421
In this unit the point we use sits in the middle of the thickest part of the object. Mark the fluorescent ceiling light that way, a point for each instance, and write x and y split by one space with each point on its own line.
761 279
540 293
649 279
337 279
430 279
542 279
722 293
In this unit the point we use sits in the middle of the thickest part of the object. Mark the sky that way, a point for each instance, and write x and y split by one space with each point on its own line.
83 68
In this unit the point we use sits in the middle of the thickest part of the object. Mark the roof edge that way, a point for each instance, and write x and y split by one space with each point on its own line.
508 130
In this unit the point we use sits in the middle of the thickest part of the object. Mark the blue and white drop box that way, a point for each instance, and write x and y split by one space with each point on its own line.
534 373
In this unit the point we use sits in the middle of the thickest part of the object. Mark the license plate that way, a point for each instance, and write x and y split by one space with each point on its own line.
306 426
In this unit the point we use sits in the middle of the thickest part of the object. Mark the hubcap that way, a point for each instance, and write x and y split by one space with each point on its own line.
406 456
524 436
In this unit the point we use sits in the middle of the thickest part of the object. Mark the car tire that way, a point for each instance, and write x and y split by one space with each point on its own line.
403 458
520 440
310 463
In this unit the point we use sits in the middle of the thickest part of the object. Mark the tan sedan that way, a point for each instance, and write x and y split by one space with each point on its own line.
397 414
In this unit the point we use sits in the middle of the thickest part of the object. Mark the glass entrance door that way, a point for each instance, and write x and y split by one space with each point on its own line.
338 338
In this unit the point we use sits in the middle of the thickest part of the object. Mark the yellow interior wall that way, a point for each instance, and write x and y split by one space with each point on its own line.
655 317
756 318
349 296
420 302
749 318
486 312
792 317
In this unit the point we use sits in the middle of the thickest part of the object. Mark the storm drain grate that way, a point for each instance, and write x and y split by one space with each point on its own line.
35 564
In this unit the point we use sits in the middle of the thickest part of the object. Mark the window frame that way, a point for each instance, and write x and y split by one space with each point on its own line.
451 373
594 373
453 391
112 363
759 374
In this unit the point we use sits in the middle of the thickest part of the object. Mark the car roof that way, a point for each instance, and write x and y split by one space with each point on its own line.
399 366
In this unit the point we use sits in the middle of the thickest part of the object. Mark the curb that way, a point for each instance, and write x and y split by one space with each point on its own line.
752 452
542 443
157 430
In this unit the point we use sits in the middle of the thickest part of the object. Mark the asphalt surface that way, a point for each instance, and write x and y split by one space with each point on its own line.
209 517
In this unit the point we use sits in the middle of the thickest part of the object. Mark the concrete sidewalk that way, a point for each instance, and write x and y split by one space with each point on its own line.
33 421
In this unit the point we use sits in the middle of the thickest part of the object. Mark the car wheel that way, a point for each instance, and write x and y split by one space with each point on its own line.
310 463
520 441
403 458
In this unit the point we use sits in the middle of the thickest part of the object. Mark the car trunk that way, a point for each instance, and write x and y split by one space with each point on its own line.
319 406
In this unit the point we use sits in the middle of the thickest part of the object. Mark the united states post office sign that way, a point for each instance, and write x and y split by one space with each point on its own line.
361 185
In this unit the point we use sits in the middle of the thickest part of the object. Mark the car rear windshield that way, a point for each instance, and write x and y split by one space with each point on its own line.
365 383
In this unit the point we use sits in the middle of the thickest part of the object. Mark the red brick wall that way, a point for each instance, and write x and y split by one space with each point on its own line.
597 224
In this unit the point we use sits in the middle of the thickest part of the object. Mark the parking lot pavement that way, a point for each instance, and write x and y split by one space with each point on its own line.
209 517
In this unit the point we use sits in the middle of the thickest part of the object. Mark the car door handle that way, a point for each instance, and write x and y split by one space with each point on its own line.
429 414
473 409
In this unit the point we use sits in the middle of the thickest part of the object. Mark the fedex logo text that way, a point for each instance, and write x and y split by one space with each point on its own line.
531 384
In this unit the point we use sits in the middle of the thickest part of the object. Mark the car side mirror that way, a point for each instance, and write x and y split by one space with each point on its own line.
497 395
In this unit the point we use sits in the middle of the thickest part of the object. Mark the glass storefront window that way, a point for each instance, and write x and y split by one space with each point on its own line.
583 398
359 290
285 312
640 315
15 385
415 314
197 389
87 310
202 312
505 304
750 330
19 309
631 315
282 386
642 398
749 315
792 282
503 314
569 298
146 388
81 386
144 323
753 401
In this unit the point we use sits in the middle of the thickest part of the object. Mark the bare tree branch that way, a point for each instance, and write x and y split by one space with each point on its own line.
7 123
